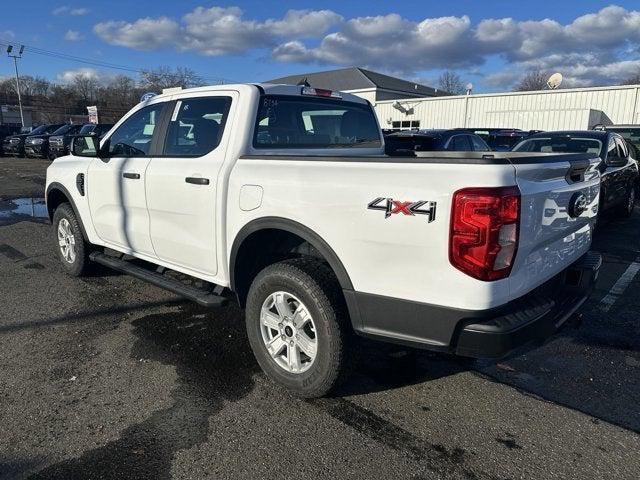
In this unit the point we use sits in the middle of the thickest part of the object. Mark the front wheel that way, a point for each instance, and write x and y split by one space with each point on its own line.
71 246
298 326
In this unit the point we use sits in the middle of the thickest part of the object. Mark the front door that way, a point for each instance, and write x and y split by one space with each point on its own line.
116 183
182 181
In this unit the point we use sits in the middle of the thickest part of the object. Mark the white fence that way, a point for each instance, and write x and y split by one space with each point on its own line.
579 108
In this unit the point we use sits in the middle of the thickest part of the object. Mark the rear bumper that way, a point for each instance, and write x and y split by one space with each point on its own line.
489 333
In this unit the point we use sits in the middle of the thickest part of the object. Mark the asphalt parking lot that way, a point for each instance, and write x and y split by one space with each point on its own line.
107 377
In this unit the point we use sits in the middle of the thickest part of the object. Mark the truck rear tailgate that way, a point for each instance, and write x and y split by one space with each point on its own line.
559 202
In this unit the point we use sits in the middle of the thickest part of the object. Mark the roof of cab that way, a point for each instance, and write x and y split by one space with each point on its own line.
271 89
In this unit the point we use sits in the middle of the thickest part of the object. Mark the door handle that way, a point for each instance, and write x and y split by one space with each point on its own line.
197 180
133 176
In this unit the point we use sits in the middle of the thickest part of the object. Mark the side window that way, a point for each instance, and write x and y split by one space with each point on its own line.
612 149
196 126
478 144
622 148
458 143
133 137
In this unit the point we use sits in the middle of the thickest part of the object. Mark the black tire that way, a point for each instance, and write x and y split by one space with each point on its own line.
316 286
80 264
626 209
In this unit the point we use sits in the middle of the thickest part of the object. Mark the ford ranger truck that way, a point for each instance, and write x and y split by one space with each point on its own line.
282 194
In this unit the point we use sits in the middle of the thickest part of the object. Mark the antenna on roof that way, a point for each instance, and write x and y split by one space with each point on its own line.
303 83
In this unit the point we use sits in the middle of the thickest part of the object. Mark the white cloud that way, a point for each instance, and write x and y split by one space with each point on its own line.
591 48
216 30
7 35
66 10
68 76
73 36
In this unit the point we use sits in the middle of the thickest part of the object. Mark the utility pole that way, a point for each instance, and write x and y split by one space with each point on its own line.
15 64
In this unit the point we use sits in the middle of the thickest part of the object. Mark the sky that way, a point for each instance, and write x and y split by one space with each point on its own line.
490 43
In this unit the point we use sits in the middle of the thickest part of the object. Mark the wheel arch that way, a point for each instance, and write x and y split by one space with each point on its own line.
57 194
278 224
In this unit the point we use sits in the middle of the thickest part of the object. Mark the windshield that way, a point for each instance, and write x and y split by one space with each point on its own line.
37 130
50 128
631 134
301 122
63 129
397 144
503 142
560 144
88 128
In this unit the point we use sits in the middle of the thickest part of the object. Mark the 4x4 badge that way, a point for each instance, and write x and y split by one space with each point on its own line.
393 207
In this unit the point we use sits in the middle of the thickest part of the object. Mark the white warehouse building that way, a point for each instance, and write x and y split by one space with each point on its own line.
566 109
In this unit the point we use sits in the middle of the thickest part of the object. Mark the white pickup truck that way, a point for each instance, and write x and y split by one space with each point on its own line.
283 195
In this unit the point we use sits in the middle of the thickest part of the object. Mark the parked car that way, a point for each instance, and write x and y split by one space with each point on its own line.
295 208
501 139
455 140
38 145
59 144
7 131
618 169
630 133
15 144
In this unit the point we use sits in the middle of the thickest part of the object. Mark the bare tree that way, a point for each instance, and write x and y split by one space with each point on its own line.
164 77
451 82
633 80
534 80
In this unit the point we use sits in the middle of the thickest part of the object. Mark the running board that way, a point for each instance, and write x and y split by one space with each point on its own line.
202 298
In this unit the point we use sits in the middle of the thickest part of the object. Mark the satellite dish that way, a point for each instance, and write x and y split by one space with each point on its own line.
554 81
469 88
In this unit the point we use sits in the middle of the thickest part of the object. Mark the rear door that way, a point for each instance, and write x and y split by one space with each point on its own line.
182 181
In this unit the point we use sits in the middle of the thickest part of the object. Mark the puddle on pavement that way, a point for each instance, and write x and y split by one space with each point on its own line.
21 209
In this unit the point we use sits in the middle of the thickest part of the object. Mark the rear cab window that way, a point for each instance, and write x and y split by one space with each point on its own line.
301 122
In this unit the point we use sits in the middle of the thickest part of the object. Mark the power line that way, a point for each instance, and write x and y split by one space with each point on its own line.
92 62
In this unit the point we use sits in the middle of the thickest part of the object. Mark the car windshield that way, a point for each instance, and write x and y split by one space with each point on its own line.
62 130
88 128
560 144
410 143
631 134
38 130
503 141
50 129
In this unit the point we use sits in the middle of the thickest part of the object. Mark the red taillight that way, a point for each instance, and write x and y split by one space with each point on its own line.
484 231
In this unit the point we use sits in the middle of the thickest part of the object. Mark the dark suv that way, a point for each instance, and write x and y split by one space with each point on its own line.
14 144
7 131
618 169
59 144
454 140
38 145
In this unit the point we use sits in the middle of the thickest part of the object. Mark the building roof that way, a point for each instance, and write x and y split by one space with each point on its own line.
356 78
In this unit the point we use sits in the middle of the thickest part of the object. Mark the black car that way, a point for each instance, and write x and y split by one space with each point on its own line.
501 139
38 145
7 131
618 169
14 145
631 133
59 144
454 140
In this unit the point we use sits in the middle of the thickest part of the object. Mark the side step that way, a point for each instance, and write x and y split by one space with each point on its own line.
202 298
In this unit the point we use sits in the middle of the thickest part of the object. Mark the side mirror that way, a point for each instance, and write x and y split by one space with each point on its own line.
616 161
85 146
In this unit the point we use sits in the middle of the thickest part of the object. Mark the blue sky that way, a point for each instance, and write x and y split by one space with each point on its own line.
490 43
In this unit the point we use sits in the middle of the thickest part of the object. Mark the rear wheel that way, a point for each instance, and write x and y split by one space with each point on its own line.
298 327
71 246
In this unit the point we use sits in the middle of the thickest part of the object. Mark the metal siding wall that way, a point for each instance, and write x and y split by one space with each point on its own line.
562 109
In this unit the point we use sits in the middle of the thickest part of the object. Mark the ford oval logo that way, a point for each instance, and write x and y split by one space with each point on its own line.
577 204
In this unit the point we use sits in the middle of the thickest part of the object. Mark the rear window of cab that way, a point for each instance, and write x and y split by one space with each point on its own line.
301 122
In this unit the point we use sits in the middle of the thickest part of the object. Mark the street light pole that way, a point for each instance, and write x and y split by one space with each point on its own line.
15 64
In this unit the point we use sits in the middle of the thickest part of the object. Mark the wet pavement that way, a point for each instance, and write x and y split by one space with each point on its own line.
106 377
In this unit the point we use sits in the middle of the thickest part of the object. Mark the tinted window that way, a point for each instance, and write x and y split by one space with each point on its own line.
458 143
67 129
631 134
622 148
133 137
299 122
564 144
39 130
478 144
50 128
196 126
87 129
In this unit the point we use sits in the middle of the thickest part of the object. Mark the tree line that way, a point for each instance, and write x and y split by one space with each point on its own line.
53 102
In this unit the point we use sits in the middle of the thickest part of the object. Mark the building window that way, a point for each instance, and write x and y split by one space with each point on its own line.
405 125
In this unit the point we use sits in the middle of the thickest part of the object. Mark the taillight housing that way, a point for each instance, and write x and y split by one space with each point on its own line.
483 238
